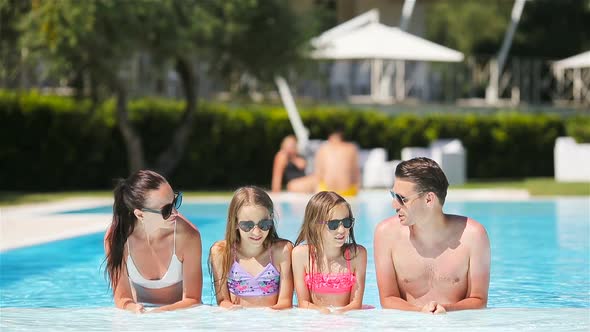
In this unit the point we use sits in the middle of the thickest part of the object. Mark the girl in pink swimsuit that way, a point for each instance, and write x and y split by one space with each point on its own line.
328 266
252 266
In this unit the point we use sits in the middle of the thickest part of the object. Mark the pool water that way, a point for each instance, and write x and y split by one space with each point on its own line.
540 274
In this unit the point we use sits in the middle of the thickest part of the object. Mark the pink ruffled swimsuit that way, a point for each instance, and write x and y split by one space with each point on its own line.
331 283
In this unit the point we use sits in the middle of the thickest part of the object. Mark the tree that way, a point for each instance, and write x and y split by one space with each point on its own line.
97 38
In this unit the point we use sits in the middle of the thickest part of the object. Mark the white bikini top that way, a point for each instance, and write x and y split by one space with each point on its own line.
172 276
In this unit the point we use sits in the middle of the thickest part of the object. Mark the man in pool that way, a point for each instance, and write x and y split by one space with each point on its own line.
427 260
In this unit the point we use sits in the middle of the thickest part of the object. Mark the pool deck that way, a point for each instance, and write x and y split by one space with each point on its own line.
30 224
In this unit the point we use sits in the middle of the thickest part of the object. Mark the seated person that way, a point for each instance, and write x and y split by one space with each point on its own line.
289 168
337 166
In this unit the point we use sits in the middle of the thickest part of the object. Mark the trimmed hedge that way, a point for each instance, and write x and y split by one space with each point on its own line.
58 143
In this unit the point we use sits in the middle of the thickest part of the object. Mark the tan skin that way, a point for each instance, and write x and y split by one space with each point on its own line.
253 258
333 262
337 164
152 243
288 153
429 261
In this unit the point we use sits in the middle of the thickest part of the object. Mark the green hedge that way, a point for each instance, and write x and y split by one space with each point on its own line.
57 143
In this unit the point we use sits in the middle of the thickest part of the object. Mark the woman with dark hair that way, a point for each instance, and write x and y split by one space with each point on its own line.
153 253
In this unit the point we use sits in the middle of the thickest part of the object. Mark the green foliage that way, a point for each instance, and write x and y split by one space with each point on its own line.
469 26
548 28
553 29
578 127
99 37
51 143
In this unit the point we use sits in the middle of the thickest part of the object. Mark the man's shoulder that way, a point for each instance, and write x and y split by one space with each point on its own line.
473 231
389 226
475 228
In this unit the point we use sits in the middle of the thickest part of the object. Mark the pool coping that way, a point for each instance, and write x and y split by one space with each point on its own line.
37 223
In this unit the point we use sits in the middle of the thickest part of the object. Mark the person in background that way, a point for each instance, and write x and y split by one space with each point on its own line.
328 266
427 260
289 169
337 165
153 253
252 266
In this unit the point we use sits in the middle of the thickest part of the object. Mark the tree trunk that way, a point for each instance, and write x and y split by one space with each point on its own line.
133 143
169 159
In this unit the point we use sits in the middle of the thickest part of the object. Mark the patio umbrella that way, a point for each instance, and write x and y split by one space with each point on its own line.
580 65
581 60
378 41
375 41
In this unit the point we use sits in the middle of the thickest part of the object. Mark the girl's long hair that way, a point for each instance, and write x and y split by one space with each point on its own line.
318 209
129 194
244 196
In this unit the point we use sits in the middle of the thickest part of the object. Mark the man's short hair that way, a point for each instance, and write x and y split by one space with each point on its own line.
426 174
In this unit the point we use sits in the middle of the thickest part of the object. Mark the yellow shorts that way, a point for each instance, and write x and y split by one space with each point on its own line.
352 191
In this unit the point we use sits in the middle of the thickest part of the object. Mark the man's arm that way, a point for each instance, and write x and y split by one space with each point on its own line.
318 166
356 166
479 271
389 293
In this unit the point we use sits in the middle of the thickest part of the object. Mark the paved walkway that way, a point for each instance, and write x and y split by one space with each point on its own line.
30 224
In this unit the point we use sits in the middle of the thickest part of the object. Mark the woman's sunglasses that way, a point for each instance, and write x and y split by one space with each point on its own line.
166 211
263 225
334 224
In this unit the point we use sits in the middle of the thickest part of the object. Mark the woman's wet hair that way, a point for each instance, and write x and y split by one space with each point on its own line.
129 194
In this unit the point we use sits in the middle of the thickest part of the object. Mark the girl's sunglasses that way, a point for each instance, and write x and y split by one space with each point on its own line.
263 225
166 211
334 224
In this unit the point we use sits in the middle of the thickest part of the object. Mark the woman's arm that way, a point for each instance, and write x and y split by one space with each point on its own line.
299 162
192 273
283 260
122 294
278 169
359 266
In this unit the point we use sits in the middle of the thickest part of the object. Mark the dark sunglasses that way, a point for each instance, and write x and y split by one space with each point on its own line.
166 211
334 224
263 225
401 199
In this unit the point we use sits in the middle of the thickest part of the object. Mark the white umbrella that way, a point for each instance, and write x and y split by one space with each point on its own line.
581 60
580 83
378 41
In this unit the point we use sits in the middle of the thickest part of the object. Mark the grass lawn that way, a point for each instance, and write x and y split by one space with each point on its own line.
535 186
16 198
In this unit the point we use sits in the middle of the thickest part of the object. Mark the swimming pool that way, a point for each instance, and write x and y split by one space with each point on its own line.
540 274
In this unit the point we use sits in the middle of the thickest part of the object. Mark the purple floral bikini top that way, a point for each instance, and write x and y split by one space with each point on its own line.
242 283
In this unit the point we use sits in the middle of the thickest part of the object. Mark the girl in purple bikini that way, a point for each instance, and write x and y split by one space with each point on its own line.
252 266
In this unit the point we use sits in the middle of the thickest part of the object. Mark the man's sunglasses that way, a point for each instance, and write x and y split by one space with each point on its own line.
263 225
401 199
334 224
166 211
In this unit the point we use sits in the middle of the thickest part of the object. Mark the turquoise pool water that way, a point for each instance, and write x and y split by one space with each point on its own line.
540 264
